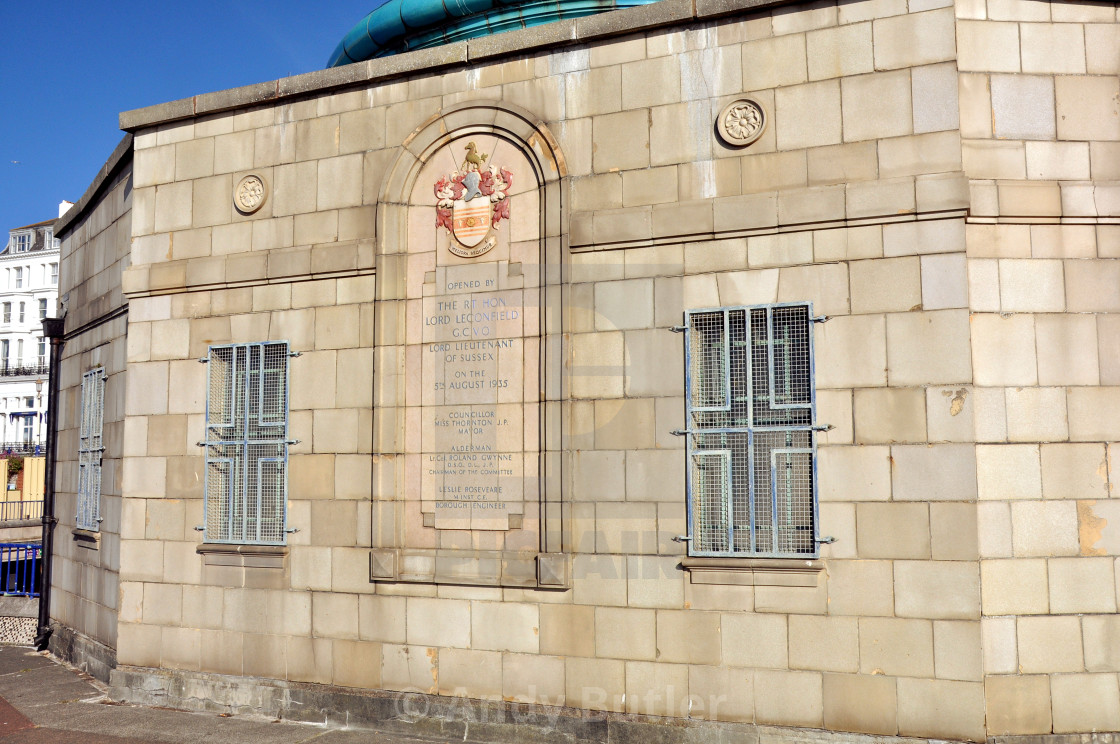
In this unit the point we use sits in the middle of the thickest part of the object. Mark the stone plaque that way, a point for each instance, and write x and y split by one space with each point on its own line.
479 359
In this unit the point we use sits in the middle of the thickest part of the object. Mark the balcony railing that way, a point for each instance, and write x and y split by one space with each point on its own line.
24 370
20 511
18 563
22 448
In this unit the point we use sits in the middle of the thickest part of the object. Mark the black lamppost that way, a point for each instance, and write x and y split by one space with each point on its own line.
54 329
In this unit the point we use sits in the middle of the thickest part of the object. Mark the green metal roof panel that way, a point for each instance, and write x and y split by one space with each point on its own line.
404 25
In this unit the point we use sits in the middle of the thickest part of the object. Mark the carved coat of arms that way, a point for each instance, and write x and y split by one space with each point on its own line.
471 202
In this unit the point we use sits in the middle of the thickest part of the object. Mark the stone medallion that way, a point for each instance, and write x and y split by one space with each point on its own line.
249 194
741 122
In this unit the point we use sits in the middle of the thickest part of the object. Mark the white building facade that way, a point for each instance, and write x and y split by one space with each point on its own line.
28 293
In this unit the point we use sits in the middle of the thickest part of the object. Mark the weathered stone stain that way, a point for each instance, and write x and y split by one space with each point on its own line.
1090 528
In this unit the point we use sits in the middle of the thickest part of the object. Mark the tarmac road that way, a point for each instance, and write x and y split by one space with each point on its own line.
43 702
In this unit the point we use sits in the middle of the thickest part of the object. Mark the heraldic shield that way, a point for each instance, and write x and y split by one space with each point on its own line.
471 202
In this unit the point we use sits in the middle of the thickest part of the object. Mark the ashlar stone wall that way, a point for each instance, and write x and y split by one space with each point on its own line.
964 370
1040 125
95 250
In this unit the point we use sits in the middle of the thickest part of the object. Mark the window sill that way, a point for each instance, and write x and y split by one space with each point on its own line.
753 571
86 539
245 556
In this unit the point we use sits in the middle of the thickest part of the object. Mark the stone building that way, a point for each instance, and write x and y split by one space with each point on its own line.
743 364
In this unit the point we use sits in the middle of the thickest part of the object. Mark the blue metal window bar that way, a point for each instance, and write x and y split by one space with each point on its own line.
247 443
90 450
751 446
19 564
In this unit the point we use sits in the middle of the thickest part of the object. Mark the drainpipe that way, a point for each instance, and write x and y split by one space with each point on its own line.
53 328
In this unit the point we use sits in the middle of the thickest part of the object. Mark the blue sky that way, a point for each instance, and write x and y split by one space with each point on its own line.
68 68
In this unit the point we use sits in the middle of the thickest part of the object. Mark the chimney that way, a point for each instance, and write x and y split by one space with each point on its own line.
64 207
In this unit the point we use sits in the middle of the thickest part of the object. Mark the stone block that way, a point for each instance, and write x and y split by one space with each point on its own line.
1018 705
957 650
1008 472
567 630
860 702
945 590
654 581
929 348
1033 285
1067 349
810 114
438 622
884 415
1014 587
504 626
1090 288
593 92
651 82
839 51
935 97
922 237
1023 107
1053 161
950 413
688 637
825 286
953 532
975 102
1044 528
752 640
1035 414
623 305
823 643
913 39
1003 350
621 141
942 708
469 673
1000 645
624 633
596 684
895 647
886 285
1074 471
1082 585
860 588
877 106
854 473
944 282
984 46
720 693
1087 107
1050 644
892 530
774 62
1085 702
656 689
356 664
842 163
789 698
1102 642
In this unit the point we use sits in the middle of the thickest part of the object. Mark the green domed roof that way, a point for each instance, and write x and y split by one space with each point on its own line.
403 25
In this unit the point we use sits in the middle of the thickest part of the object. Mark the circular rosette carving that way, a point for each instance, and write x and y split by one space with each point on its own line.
741 122
249 194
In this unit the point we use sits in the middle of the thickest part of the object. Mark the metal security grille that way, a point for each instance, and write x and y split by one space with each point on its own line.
751 448
247 443
90 450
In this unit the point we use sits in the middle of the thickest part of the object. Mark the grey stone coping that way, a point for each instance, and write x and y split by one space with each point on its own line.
122 151
537 38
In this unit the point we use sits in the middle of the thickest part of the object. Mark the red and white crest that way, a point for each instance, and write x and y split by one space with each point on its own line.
471 202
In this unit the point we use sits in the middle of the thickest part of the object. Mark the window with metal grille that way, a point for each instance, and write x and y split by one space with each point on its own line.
750 438
90 450
247 443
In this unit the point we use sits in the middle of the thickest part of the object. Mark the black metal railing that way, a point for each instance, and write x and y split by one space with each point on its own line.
22 448
13 511
23 370
18 564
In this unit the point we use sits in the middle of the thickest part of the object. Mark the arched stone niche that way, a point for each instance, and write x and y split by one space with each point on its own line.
468 485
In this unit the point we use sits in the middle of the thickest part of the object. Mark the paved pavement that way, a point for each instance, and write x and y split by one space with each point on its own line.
43 702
